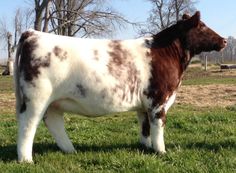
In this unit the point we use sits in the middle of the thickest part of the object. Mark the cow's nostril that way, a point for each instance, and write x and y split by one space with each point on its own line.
225 41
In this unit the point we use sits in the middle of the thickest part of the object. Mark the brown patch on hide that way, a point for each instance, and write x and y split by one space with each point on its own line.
30 64
166 73
161 115
59 53
122 67
118 57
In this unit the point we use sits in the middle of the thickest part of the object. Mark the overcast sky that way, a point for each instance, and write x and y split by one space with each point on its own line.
220 15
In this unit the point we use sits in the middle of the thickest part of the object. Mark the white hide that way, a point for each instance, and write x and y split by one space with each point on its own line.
81 67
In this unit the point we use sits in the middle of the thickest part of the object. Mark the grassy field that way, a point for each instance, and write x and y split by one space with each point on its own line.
197 76
198 139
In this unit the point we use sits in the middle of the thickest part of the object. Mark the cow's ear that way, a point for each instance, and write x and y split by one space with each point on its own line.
195 19
185 16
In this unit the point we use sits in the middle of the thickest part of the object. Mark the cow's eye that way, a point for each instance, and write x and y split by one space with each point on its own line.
203 25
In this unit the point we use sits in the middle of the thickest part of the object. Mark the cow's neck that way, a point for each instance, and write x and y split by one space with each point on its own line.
171 60
184 55
173 46
176 52
185 59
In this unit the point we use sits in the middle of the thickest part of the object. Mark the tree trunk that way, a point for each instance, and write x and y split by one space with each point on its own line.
9 68
46 18
39 8
38 20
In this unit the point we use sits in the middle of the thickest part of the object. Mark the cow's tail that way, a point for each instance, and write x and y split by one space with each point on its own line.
18 91
20 99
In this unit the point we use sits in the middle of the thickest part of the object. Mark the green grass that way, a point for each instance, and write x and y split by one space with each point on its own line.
197 140
197 76
209 80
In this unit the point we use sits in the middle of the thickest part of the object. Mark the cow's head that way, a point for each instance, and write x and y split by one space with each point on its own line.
198 37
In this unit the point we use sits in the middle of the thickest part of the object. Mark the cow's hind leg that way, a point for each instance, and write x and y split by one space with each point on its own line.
54 121
29 116
145 138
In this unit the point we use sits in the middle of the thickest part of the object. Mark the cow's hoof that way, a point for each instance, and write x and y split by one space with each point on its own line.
162 152
30 161
69 151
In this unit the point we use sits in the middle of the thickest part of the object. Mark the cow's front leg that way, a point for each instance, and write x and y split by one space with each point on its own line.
157 122
145 138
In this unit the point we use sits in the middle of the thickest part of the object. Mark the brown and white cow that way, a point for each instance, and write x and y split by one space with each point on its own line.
57 74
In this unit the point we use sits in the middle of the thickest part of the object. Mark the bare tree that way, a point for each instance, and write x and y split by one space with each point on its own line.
231 47
3 29
41 7
10 49
182 6
84 18
17 25
77 17
21 21
28 19
9 34
4 36
165 13
46 17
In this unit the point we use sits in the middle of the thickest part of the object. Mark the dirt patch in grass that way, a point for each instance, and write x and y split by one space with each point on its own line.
7 102
207 95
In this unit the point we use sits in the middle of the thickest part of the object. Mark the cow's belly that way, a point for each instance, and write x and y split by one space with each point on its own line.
93 108
96 97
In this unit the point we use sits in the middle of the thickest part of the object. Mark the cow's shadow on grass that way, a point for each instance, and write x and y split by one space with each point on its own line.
83 148
217 146
9 153
203 145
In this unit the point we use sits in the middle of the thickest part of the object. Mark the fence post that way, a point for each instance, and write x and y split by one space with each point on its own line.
205 64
